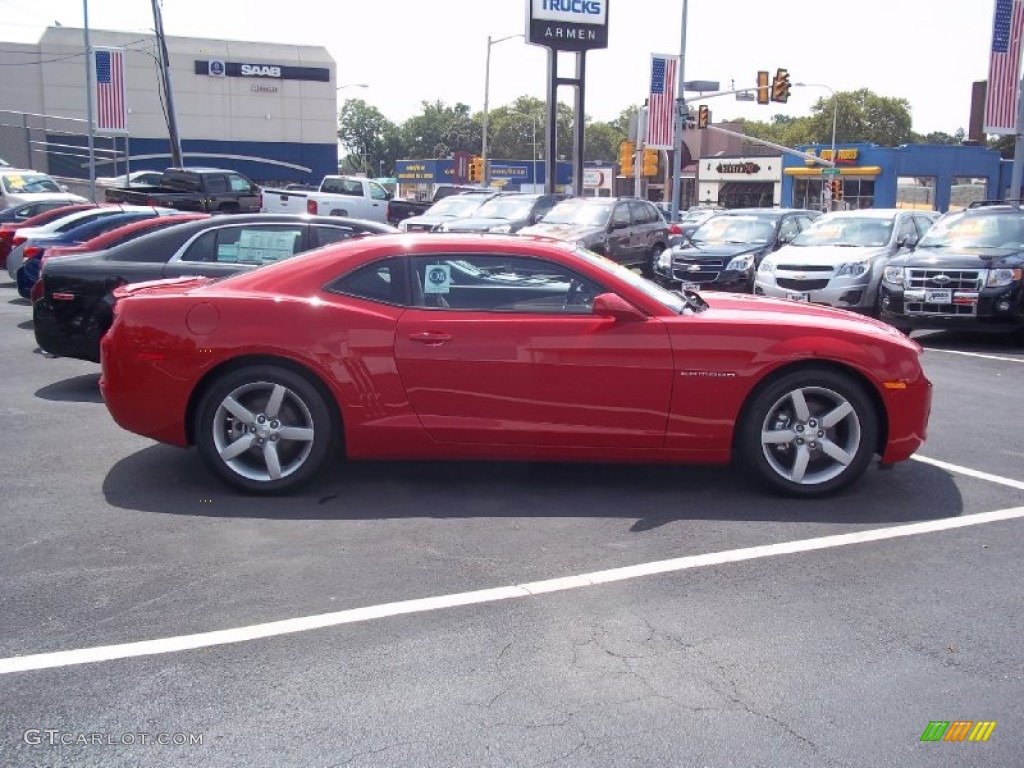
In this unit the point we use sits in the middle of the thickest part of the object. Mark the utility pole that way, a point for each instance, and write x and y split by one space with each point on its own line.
88 103
678 122
177 159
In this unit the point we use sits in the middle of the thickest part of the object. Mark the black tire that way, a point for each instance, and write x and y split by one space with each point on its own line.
300 431
648 268
773 440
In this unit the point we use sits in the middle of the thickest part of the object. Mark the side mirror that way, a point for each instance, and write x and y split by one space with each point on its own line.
613 225
907 241
614 306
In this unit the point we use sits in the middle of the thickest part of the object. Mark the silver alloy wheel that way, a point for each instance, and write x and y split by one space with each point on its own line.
263 431
810 435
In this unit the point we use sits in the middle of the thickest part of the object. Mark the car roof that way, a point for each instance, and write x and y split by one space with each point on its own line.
764 211
873 213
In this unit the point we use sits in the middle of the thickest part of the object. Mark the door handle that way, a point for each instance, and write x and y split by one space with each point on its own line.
431 338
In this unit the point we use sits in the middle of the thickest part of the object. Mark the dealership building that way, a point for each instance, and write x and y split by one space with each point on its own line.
266 110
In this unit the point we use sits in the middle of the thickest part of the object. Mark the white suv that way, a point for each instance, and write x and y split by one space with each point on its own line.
18 185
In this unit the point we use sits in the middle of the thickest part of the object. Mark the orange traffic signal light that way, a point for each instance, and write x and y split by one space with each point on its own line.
703 116
763 92
626 150
476 169
836 187
650 162
780 86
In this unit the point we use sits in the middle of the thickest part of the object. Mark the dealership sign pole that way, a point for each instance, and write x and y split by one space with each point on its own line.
566 25
88 102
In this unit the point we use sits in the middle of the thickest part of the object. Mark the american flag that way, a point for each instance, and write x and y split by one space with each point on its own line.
1004 67
111 114
662 103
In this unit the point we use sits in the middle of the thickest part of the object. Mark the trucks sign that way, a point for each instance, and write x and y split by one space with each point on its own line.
567 25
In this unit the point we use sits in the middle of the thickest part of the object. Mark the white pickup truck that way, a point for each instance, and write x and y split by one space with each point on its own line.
351 196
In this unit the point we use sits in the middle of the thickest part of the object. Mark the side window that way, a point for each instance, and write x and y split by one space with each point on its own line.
216 184
803 222
789 229
907 229
637 212
495 283
620 216
378 281
238 184
923 224
653 214
250 244
324 235
377 192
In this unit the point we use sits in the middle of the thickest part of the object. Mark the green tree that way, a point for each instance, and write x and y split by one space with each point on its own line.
441 130
862 116
366 134
601 142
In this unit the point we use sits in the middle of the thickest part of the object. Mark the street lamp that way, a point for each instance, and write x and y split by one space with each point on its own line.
487 94
835 110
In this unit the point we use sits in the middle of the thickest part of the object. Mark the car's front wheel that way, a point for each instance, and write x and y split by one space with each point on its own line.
809 433
264 429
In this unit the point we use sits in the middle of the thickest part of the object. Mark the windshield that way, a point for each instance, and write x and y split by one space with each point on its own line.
505 208
696 217
860 231
976 230
456 205
579 213
29 182
735 229
672 301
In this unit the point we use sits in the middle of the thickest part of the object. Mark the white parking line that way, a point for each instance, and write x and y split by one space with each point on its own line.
440 602
976 354
968 472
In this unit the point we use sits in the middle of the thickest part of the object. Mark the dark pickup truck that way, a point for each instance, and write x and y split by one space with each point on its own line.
207 190
399 210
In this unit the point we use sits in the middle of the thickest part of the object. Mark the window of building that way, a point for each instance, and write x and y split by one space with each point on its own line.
916 192
967 190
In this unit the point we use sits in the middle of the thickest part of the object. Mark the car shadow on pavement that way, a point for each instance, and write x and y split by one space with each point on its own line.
26 325
964 341
77 389
167 480
21 301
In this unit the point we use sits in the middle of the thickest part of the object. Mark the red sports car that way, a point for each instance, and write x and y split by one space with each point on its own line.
502 347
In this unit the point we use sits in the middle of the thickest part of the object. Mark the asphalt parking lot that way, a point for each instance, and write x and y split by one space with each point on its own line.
458 614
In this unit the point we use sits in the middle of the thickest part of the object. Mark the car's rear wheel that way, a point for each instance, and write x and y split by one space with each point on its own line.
264 429
648 268
809 433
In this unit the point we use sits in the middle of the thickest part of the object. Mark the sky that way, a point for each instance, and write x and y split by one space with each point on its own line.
410 51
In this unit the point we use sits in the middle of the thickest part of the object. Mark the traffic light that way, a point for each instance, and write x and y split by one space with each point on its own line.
626 150
763 91
476 169
650 164
837 189
780 86
703 116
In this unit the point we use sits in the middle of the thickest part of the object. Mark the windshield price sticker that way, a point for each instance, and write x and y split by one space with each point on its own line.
438 279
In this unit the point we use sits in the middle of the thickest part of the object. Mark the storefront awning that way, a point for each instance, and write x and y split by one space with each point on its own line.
863 170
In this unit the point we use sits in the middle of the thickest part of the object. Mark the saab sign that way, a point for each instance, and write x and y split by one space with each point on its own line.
221 68
567 25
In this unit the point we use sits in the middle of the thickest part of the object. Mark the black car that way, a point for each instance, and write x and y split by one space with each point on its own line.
76 301
966 272
506 213
25 211
627 230
724 252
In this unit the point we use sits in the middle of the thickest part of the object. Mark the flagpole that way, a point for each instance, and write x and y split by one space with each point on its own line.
677 126
1018 148
88 102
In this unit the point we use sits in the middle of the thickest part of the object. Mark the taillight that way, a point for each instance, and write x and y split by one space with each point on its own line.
37 290
311 207
18 240
673 229
32 251
153 202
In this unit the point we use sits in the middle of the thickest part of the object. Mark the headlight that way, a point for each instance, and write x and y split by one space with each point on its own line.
501 228
665 260
1000 277
767 266
893 275
741 263
853 269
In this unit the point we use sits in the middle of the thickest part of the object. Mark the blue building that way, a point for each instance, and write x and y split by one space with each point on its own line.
508 174
936 177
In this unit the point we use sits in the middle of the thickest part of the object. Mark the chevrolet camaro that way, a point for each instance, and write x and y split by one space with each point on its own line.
495 347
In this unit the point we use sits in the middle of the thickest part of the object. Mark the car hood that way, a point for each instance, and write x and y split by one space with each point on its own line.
562 231
827 255
472 224
742 309
691 252
433 219
948 258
